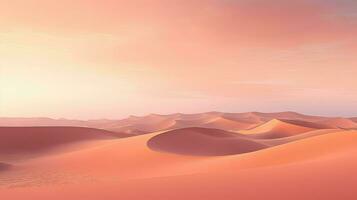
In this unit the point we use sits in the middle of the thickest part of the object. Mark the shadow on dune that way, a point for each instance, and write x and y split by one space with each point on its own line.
4 166
35 139
216 142
203 142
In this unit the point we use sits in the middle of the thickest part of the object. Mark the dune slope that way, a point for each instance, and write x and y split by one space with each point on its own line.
35 139
318 170
339 123
227 124
203 142
276 129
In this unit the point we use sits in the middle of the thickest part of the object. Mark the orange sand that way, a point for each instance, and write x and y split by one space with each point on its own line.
304 163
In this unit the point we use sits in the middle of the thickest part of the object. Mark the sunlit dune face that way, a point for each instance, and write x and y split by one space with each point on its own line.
90 59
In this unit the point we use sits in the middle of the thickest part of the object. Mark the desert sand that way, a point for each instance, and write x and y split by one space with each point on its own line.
276 129
280 158
203 141
339 123
22 142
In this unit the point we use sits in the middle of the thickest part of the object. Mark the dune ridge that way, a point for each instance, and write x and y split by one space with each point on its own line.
276 129
137 125
342 123
214 142
227 124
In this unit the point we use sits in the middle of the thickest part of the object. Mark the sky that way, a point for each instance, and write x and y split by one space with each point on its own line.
91 59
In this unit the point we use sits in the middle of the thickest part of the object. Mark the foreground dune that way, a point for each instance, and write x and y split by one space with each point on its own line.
318 170
215 142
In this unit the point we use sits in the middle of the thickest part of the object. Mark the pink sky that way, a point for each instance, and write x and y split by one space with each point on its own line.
113 58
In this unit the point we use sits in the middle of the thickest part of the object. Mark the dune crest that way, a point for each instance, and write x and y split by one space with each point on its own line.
275 129
138 125
227 124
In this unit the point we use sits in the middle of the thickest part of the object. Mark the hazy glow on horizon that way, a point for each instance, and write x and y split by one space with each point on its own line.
112 58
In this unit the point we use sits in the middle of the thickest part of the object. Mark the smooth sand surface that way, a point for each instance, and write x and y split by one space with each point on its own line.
283 140
25 142
320 167
203 142
228 124
305 162
276 129
339 123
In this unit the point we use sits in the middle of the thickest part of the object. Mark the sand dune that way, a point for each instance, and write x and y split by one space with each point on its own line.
137 125
141 125
285 158
323 146
218 120
195 120
339 123
318 170
214 142
227 124
130 130
284 140
249 117
139 128
203 142
264 117
25 141
198 116
163 124
276 129
99 161
314 125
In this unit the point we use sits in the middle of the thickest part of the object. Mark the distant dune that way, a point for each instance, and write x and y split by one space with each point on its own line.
276 129
227 124
339 123
137 125
203 142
